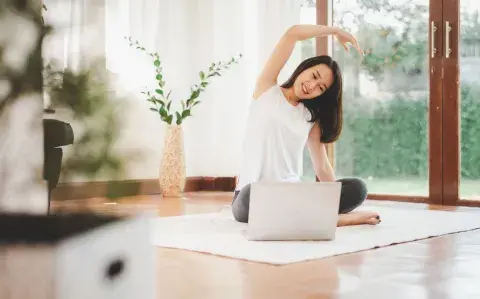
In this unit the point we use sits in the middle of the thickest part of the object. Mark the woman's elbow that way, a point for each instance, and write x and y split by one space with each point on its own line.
292 31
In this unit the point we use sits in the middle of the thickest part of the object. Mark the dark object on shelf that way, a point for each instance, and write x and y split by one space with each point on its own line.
56 134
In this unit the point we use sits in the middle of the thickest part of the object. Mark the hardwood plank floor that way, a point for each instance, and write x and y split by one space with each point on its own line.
437 268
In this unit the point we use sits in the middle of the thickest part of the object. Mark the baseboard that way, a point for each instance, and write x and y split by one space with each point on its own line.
115 189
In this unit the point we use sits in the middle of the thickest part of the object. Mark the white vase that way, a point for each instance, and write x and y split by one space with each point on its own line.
172 166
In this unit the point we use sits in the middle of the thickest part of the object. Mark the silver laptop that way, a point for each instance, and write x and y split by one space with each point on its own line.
305 211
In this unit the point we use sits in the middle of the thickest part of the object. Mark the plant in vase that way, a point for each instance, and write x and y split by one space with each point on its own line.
172 167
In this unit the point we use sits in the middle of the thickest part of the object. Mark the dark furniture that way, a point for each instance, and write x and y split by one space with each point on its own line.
56 134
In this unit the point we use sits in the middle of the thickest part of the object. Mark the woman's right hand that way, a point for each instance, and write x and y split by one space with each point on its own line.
344 37
359 218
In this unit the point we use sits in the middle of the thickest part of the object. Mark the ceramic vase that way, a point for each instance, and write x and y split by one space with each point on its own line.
172 166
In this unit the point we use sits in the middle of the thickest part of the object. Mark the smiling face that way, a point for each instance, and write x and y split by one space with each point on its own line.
313 81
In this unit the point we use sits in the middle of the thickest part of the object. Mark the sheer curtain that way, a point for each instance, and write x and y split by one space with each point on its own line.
188 35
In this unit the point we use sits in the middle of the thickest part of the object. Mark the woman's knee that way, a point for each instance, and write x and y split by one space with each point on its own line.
241 205
353 194
360 188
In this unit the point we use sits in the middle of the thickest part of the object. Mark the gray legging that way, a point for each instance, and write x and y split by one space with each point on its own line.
354 192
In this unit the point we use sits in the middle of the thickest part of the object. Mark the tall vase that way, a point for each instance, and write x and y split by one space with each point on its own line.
172 166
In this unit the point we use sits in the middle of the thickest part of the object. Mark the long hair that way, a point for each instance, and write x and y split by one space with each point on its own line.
326 109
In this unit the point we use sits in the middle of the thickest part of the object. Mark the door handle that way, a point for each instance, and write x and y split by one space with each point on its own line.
448 29
433 49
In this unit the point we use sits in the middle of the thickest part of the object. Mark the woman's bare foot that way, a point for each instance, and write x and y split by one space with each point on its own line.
358 218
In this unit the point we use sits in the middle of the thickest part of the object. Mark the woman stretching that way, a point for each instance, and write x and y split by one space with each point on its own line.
305 110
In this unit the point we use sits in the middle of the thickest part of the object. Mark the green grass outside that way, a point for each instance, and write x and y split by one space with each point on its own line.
469 189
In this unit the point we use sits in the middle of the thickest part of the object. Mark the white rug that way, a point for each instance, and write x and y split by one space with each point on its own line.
220 234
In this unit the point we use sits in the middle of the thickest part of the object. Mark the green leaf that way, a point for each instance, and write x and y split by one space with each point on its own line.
186 113
179 118
160 102
161 84
159 77
168 105
168 95
163 112
156 63
202 75
183 104
196 103
154 109
159 91
195 94
204 84
217 74
169 119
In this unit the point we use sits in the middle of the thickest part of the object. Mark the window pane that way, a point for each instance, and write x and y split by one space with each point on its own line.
470 98
386 95
308 49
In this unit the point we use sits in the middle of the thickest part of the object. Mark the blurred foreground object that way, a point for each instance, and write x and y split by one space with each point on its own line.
22 188
76 257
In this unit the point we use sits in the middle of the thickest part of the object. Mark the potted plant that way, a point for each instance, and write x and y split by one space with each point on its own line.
172 166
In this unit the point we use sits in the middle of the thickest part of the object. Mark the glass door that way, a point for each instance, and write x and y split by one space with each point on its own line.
469 67
412 104
387 95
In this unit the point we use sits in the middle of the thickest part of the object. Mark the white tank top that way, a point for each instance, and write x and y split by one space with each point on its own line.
275 137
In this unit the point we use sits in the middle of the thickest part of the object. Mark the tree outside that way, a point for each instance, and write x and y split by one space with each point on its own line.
386 96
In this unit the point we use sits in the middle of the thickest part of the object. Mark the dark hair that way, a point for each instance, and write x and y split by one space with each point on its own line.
327 107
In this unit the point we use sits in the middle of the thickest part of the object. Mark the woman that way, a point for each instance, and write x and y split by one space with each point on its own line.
305 110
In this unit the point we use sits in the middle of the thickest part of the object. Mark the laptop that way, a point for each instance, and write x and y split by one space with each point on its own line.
303 211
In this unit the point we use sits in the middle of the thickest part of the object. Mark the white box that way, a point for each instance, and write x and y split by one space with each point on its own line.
76 257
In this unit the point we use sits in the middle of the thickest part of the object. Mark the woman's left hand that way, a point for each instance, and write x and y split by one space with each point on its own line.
343 37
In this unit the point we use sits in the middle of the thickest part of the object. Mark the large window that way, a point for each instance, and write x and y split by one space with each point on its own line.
470 98
308 15
386 95
412 104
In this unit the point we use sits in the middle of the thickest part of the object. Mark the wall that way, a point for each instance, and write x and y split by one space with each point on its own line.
188 35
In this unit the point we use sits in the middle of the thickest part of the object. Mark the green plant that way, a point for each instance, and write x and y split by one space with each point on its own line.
390 140
160 99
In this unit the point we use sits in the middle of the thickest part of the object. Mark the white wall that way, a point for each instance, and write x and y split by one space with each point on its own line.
189 35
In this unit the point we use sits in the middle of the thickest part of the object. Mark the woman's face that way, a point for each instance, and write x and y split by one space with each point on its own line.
313 81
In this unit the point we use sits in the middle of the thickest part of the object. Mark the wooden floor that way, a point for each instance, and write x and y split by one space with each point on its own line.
437 268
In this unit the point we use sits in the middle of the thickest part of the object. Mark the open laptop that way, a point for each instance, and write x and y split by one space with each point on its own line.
305 211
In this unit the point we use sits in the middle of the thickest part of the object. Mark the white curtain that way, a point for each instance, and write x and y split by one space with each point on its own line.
188 35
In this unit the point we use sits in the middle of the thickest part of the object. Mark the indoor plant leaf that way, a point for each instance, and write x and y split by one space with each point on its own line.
179 118
163 112
186 113
160 102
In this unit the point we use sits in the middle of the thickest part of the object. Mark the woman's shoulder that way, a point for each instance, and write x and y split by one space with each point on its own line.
268 91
